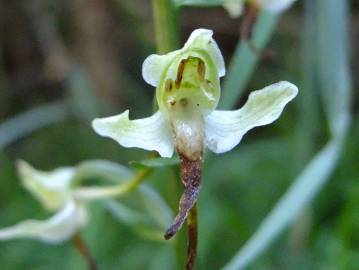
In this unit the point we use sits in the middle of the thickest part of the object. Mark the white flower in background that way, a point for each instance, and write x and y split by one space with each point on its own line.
187 85
188 91
52 189
273 6
56 192
235 7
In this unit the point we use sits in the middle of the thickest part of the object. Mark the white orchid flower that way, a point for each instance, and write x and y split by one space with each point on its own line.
187 85
57 193
235 7
273 6
53 190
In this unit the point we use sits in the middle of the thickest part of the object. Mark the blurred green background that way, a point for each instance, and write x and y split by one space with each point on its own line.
62 63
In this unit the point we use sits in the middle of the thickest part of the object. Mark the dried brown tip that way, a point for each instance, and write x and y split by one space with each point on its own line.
187 201
191 177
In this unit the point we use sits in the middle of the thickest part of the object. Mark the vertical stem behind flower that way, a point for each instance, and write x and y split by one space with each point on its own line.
82 248
166 25
192 238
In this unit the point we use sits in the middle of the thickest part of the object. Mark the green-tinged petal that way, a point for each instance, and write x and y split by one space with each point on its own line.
201 39
155 65
50 188
152 133
225 129
274 6
58 228
199 44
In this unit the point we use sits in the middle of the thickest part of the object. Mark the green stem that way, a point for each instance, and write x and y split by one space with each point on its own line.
166 25
134 183
112 191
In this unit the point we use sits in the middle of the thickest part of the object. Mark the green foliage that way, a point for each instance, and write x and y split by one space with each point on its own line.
155 162
202 3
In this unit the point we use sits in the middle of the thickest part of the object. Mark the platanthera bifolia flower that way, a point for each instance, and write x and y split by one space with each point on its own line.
236 7
52 189
187 85
57 193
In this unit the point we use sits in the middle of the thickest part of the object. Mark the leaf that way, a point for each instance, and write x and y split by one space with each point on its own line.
143 210
317 172
27 122
299 195
245 60
155 162
202 3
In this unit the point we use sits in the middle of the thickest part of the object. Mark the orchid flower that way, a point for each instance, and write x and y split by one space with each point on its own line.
53 191
187 85
59 192
236 7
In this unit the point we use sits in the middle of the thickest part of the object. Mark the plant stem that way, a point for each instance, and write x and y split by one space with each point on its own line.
83 249
192 238
91 193
166 25
134 182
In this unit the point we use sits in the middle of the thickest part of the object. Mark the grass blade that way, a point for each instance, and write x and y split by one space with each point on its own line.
245 60
334 78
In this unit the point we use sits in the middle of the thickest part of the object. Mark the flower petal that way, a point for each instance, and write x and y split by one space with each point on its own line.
154 66
234 7
274 6
201 39
58 228
225 129
152 133
50 188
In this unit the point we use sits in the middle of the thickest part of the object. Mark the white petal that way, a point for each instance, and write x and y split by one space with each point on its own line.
152 133
202 39
234 7
50 188
225 129
274 6
154 67
58 228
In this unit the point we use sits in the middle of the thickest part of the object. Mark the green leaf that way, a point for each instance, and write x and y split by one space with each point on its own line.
143 210
27 122
155 162
201 3
299 195
334 77
244 61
